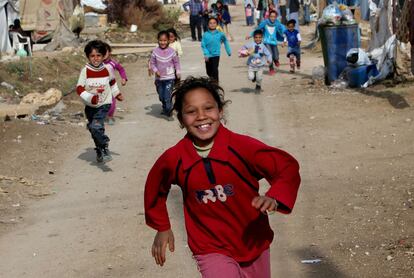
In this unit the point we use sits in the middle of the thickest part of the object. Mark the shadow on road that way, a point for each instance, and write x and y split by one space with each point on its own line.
394 99
245 90
155 111
324 269
89 155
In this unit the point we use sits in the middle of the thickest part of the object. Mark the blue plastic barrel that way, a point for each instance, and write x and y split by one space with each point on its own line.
336 42
358 76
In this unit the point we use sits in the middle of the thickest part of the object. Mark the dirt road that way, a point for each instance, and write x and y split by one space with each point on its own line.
354 210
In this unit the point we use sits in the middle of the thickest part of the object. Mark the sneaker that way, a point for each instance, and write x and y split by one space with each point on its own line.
277 64
106 155
99 157
272 72
258 89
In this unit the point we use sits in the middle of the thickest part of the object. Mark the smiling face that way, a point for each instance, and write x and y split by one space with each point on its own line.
171 37
201 116
258 38
163 41
291 27
272 16
212 24
95 58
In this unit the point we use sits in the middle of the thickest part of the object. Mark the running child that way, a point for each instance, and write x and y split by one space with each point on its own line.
249 13
114 65
175 41
165 64
258 55
211 46
218 171
273 34
293 40
96 87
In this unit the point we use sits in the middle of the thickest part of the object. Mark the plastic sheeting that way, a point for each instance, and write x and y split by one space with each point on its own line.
97 4
6 19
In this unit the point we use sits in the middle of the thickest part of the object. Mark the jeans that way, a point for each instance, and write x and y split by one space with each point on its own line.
96 127
250 20
212 67
164 90
306 13
195 22
295 51
275 53
283 14
255 72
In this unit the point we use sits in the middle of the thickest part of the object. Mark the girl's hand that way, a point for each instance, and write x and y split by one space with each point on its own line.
157 74
120 97
150 72
160 245
248 37
206 59
178 76
264 204
123 82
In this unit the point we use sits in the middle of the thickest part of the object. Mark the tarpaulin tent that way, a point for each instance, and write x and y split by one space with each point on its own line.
9 11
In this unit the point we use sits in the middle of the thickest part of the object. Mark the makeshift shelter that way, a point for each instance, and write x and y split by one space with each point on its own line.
9 11
48 20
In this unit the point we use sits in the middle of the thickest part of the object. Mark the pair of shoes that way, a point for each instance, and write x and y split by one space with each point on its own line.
258 89
111 121
103 154
272 72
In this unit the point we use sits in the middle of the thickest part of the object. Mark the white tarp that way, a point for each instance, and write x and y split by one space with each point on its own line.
5 21
97 4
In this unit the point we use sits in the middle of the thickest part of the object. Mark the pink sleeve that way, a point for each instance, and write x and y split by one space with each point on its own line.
121 70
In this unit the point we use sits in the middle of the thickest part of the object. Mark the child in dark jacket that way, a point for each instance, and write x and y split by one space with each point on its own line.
218 171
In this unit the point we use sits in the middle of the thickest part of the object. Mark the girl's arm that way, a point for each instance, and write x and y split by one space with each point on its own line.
157 187
281 170
121 71
179 49
278 167
206 52
226 44
177 66
153 63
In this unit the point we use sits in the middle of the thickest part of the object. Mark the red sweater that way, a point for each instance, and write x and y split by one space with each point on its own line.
218 191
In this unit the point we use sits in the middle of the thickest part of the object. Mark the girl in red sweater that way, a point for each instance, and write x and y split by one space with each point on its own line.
218 171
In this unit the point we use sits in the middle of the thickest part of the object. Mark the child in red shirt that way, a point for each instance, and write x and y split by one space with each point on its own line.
218 171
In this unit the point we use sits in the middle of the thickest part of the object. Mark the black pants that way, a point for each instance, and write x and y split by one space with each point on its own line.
212 67
96 117
283 15
195 22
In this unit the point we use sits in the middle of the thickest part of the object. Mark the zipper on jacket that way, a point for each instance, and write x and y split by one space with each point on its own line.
209 170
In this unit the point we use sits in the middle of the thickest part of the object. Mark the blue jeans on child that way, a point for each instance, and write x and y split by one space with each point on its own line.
275 53
295 51
164 90
96 127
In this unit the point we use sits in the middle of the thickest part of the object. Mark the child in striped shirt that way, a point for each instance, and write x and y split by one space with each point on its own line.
96 87
165 64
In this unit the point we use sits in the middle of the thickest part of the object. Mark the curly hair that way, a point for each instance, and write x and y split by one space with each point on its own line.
191 83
